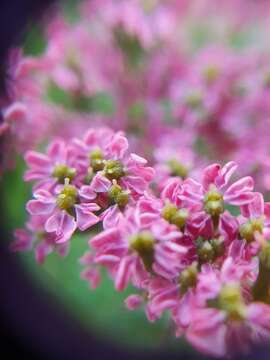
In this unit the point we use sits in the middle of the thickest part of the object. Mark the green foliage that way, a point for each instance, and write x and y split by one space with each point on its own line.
240 40
200 36
14 194
59 96
130 46
35 42
136 110
234 210
101 103
70 9
167 109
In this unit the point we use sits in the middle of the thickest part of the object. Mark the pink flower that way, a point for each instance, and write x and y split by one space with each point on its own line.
20 82
258 315
132 302
178 295
210 197
230 337
52 168
223 302
255 220
167 207
132 252
105 154
128 170
90 273
163 295
34 237
216 179
65 211
208 324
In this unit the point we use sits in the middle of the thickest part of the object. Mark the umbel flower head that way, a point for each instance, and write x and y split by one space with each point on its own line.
81 183
183 249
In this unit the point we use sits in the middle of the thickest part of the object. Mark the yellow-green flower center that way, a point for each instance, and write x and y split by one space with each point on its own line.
205 252
178 169
174 215
211 74
114 169
61 172
96 160
230 300
143 243
149 5
261 287
194 100
248 230
209 250
67 198
213 202
118 196
188 278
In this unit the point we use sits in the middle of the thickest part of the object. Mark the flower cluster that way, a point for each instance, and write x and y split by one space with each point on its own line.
185 252
193 247
138 77
80 183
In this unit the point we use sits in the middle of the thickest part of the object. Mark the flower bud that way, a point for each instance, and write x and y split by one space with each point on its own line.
230 300
113 169
68 197
61 172
96 160
248 230
188 277
175 216
143 243
206 252
178 169
118 196
213 203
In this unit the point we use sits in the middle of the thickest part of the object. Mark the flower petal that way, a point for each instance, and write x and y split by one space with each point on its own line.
85 217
